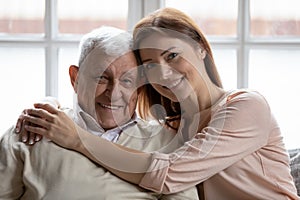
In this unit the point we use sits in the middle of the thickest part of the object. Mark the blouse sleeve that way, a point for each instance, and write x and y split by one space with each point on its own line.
237 128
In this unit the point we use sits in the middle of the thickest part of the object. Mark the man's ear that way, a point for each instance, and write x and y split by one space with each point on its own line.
73 72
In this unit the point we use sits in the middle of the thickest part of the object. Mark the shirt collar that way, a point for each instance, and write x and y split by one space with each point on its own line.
87 122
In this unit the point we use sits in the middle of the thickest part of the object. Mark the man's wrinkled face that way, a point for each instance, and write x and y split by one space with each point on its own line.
107 88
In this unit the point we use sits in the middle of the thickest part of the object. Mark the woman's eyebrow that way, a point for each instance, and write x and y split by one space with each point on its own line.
169 49
146 60
164 52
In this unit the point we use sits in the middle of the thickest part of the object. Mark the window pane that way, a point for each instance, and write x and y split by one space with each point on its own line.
22 82
79 17
67 57
26 16
226 65
275 19
215 17
276 75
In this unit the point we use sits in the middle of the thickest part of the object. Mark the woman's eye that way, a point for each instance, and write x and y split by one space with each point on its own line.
171 56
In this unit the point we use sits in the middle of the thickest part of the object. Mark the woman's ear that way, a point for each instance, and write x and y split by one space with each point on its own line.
73 72
202 53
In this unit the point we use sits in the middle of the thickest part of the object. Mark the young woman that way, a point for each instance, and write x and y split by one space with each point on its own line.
233 146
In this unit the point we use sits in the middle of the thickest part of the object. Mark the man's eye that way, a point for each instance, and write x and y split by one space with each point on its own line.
171 56
127 82
102 79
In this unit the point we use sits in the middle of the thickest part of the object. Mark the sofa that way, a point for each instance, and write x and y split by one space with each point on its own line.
295 167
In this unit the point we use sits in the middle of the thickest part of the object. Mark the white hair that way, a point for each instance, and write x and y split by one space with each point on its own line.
112 41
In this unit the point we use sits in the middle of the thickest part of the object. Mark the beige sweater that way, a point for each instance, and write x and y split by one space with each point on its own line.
239 155
47 171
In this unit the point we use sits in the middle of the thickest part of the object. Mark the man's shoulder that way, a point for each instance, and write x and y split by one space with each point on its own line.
152 128
10 135
146 136
11 146
68 111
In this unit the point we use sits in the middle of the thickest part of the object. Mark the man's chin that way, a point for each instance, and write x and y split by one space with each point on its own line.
110 124
112 120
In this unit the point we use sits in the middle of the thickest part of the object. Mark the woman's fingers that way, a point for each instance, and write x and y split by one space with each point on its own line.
36 130
26 136
46 106
23 132
19 122
38 137
31 138
36 121
34 117
40 113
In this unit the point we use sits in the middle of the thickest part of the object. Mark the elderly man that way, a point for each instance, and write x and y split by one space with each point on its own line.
105 84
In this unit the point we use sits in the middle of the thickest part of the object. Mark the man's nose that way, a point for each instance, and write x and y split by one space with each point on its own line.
114 90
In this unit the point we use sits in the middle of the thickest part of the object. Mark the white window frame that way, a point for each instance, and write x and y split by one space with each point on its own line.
52 41
242 43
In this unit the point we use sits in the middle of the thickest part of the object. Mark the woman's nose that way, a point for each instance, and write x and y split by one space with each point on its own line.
166 72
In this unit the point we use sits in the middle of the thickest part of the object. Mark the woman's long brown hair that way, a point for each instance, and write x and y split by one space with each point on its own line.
175 20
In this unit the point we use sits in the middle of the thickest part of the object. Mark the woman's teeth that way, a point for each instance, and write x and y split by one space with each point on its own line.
174 84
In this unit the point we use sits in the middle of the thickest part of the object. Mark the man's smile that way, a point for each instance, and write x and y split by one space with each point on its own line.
111 107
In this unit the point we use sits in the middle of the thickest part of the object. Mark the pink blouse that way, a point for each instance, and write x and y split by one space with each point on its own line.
239 155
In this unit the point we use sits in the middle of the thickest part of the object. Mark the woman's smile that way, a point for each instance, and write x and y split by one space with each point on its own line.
174 84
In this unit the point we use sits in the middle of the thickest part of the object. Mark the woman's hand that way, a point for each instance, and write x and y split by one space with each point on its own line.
29 137
26 136
53 124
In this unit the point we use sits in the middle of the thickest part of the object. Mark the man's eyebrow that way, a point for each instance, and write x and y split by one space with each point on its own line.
130 73
164 52
101 70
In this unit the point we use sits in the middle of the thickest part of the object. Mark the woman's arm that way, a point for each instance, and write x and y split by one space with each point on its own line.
235 131
55 125
126 163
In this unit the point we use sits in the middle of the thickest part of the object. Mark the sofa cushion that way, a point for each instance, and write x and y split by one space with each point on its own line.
295 167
